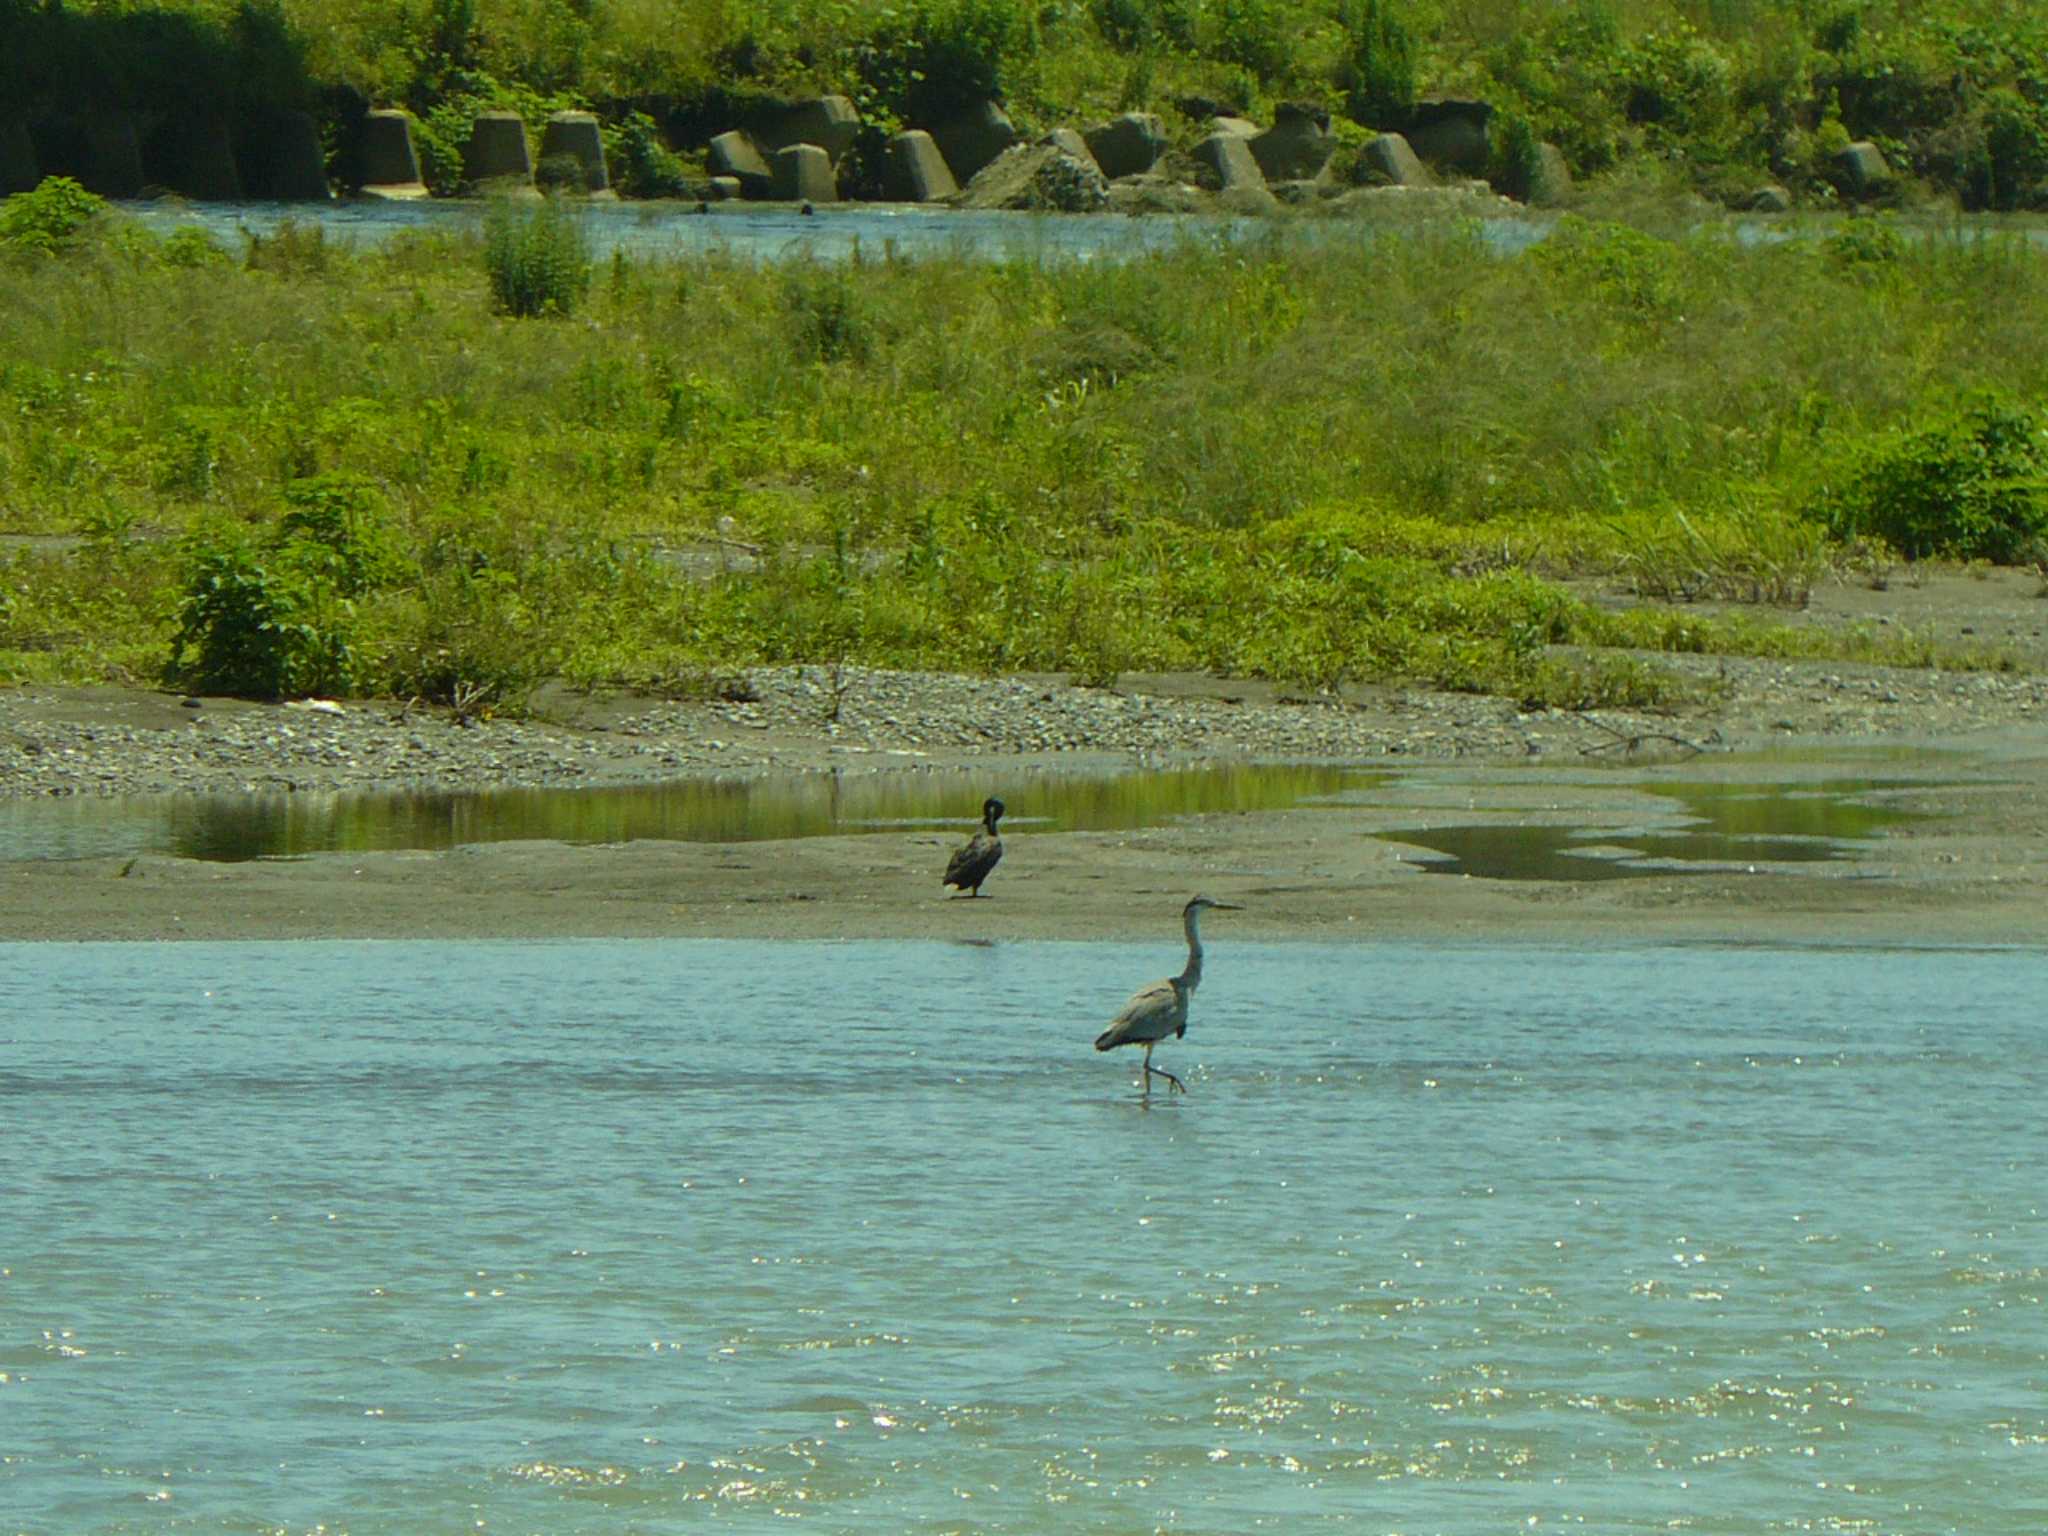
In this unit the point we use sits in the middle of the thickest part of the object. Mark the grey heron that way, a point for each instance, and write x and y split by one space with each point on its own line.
1161 1009
974 859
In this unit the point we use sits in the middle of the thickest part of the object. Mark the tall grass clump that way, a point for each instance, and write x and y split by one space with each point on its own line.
537 257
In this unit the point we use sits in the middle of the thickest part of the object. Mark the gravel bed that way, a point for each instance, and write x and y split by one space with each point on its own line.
57 742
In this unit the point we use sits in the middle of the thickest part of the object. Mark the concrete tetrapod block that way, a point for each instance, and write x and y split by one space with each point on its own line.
577 136
497 155
830 122
1297 146
1452 134
192 154
918 173
1069 142
974 138
1860 169
113 152
18 171
1129 145
391 167
802 173
294 169
1549 179
734 154
1390 155
1229 156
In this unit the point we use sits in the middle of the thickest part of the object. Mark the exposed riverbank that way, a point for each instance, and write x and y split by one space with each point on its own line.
1971 750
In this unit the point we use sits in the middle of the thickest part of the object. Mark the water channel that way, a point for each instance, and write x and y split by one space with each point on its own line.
1687 825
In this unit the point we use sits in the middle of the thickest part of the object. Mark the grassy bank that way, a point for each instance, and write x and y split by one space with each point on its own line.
294 467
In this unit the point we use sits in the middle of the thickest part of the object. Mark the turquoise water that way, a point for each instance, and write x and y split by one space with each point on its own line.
617 1238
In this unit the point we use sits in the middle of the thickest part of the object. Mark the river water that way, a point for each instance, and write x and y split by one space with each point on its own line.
609 1238
770 233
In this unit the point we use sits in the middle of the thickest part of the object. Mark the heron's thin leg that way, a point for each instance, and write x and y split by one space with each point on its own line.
1162 1072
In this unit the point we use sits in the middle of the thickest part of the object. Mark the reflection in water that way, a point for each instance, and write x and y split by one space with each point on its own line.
1740 824
234 827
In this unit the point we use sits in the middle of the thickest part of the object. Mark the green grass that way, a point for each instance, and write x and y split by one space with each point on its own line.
1314 462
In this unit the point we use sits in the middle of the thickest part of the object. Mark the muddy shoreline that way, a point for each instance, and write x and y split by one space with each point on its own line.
1968 751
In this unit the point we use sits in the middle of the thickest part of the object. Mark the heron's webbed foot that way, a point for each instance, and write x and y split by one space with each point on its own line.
1152 1071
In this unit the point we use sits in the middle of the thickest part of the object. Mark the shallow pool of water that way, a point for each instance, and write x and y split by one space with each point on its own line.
1726 826
608 1238
232 827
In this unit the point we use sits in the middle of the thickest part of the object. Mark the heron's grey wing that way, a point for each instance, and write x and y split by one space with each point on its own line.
1149 1015
972 860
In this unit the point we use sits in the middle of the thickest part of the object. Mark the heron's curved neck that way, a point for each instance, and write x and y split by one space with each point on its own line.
1193 923
988 822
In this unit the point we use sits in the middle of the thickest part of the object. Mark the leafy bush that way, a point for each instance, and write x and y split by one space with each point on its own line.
942 56
1256 35
337 520
1377 74
641 165
537 258
1865 244
1971 487
49 219
191 246
2016 147
258 624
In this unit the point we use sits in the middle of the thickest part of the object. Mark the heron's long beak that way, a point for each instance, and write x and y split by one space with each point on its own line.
1227 906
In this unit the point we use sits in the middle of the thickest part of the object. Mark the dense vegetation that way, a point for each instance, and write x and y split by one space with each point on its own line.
1714 95
296 467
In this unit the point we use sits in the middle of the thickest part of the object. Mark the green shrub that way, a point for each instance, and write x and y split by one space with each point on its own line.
257 624
537 258
1258 36
1863 244
338 521
640 163
1377 73
2016 147
935 59
191 246
1971 487
49 219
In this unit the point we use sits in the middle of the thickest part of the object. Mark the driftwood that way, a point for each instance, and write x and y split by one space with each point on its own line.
1628 743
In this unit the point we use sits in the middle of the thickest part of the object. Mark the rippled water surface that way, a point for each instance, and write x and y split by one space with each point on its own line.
631 1237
